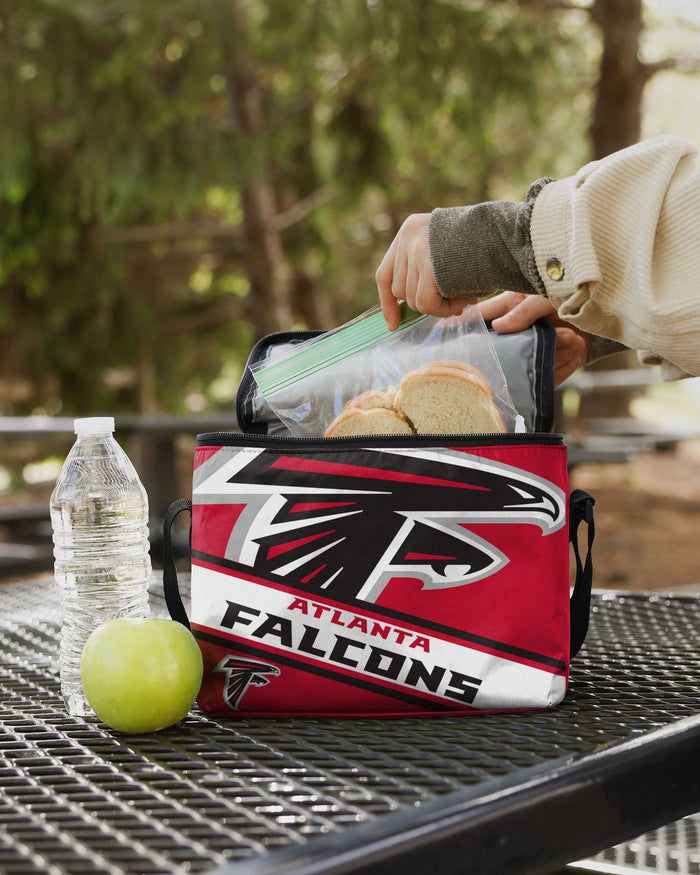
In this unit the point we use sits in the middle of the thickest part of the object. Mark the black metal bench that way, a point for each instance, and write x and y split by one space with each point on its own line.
26 547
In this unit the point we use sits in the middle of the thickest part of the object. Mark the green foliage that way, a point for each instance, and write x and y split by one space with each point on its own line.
122 269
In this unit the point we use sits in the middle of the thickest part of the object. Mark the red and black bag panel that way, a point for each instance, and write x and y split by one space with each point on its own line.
348 577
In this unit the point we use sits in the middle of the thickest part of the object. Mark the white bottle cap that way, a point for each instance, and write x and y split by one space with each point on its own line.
94 425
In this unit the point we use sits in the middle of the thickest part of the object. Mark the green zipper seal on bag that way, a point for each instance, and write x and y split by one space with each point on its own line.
337 345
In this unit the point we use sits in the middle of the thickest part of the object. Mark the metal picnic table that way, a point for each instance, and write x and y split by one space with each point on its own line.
511 793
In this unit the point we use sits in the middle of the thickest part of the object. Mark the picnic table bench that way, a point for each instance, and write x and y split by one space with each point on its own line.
617 438
488 794
151 439
152 445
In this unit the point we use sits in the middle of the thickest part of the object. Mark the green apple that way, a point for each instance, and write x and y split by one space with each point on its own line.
141 675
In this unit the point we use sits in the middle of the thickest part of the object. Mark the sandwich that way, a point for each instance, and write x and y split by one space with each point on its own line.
443 397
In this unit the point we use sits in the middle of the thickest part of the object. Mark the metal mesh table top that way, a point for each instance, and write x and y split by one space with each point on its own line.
76 797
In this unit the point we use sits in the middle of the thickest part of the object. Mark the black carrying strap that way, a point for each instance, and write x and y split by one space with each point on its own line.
581 511
171 590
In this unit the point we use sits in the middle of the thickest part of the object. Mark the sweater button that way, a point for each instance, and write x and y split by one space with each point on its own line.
555 269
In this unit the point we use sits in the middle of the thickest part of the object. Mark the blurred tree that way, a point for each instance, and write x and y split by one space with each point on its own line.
617 115
178 178
616 122
623 74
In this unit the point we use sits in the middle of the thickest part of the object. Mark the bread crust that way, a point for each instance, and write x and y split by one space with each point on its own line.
458 369
374 398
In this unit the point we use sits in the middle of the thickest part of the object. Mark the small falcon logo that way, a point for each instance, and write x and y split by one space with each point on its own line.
242 673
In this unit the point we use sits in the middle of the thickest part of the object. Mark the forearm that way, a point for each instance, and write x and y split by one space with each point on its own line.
481 249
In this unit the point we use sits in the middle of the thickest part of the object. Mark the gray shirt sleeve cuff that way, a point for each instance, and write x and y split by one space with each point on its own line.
485 248
602 347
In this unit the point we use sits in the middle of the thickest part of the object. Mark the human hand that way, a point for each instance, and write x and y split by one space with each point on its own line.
513 311
406 274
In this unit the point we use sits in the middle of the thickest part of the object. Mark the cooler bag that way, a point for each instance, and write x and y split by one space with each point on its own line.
387 575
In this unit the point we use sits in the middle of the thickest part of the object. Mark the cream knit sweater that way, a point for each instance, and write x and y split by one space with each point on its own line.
615 248
626 231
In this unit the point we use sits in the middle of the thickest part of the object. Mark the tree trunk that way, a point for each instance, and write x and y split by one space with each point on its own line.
616 119
616 123
264 256
310 306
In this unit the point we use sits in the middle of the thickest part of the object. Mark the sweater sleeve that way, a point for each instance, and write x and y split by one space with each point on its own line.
485 248
617 247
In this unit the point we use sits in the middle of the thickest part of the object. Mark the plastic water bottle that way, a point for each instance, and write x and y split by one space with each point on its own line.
99 515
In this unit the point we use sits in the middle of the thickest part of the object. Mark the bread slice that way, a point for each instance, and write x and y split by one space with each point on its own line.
441 399
363 421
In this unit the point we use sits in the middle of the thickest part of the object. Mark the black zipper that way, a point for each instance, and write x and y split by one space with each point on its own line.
232 438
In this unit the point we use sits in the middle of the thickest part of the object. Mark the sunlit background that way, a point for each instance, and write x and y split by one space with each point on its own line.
127 169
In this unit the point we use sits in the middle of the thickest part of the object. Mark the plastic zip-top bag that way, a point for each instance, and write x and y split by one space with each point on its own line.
396 376
527 359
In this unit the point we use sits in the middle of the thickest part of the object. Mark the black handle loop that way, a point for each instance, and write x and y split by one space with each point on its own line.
171 590
581 511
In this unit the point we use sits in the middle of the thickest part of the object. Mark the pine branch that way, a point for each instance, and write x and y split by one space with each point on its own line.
210 230
688 64
302 208
553 5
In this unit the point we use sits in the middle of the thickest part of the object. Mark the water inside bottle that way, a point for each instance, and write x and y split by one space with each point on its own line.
102 566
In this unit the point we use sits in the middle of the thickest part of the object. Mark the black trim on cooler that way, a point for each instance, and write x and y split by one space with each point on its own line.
292 444
543 377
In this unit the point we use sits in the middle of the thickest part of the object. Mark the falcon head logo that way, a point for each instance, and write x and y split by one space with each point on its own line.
349 523
242 673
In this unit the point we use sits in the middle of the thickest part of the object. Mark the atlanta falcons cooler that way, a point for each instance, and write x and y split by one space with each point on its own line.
383 576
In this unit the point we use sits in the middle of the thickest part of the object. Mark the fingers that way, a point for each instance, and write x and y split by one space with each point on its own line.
385 278
448 306
512 311
406 274
571 354
499 305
